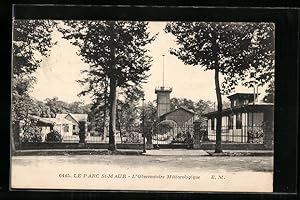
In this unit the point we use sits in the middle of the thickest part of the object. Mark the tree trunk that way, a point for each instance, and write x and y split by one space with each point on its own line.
104 112
119 123
113 111
112 92
218 148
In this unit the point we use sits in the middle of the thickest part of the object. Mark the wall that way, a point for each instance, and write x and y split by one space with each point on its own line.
258 118
180 117
49 145
60 129
68 117
236 146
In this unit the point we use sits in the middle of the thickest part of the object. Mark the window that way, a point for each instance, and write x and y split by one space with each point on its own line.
66 127
212 125
239 121
230 122
74 127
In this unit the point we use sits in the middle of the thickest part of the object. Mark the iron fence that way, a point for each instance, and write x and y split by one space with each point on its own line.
128 134
242 134
172 135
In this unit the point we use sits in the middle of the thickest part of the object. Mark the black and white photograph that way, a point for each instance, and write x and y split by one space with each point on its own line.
110 105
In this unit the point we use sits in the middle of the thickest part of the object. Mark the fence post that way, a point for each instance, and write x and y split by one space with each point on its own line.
197 134
82 131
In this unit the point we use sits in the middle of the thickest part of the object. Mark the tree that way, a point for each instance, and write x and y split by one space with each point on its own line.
56 106
31 43
202 107
150 112
270 93
230 49
178 102
116 53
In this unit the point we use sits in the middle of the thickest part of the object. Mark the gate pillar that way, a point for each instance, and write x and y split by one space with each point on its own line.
82 132
197 134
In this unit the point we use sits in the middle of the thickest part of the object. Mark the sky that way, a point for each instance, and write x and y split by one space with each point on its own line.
59 71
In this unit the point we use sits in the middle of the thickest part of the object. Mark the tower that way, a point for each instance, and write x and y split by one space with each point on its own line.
162 100
163 95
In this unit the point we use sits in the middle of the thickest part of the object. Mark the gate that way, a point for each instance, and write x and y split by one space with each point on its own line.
164 136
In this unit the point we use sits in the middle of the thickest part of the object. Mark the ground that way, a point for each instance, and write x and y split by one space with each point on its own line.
143 172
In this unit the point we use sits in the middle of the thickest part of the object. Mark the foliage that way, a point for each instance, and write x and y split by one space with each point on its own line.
31 132
256 135
55 106
116 53
270 93
128 115
183 137
166 126
132 137
31 43
199 107
235 50
150 112
53 136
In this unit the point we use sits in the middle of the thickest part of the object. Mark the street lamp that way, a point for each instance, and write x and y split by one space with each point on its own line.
143 126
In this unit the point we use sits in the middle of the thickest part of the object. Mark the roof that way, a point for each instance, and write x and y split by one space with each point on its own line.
181 107
76 117
246 107
42 120
240 94
61 115
50 121
59 120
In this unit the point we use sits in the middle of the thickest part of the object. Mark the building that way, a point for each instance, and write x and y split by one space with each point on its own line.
182 116
61 125
65 124
75 119
163 100
245 121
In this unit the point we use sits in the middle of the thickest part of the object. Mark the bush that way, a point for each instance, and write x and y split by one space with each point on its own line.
32 133
53 136
256 135
132 137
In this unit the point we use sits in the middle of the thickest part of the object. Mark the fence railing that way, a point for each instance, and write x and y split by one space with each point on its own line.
243 134
173 135
128 134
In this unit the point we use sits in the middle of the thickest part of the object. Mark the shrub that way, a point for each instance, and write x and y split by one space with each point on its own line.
256 135
32 133
53 136
132 137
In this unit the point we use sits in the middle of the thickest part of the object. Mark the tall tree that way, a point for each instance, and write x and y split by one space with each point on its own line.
116 53
31 43
231 49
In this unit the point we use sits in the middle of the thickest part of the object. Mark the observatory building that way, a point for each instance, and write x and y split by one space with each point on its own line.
181 115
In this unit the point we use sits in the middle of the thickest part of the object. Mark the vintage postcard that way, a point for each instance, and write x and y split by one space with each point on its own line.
142 105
